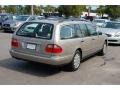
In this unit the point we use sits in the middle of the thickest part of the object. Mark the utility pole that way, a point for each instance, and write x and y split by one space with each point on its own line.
32 11
17 9
89 9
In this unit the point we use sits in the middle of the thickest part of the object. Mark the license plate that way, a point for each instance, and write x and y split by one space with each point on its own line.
31 46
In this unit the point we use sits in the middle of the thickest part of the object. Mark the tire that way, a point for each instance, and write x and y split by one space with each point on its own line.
75 64
104 50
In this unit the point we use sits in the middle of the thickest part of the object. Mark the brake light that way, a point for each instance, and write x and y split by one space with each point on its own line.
14 43
53 48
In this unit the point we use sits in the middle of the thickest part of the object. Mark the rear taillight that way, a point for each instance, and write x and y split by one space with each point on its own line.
14 43
53 48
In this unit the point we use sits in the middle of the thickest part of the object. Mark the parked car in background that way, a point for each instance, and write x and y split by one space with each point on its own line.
40 17
12 25
112 30
14 17
54 18
90 18
4 17
57 42
100 22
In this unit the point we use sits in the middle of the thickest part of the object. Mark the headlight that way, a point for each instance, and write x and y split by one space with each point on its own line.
117 34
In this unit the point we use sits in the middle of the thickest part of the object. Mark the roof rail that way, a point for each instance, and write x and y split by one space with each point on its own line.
63 19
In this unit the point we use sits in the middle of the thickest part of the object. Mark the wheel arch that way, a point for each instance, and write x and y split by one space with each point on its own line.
80 50
106 41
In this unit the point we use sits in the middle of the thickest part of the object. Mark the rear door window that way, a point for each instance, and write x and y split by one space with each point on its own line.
78 31
84 30
36 30
67 32
91 30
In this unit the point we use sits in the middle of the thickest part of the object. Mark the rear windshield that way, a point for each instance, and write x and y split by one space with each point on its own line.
36 30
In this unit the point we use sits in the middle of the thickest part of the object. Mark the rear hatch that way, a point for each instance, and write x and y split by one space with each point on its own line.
33 37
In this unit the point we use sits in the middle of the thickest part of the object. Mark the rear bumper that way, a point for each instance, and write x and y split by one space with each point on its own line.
51 60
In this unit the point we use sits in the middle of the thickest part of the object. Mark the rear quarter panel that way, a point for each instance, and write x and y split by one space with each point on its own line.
68 46
102 39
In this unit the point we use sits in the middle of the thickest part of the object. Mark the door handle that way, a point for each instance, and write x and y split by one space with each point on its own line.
93 39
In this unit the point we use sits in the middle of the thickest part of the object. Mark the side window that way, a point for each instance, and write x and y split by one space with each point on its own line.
84 30
67 32
91 30
29 28
78 31
45 31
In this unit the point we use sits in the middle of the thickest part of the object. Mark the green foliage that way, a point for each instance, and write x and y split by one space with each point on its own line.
49 8
27 9
113 11
0 9
71 10
65 9
77 10
21 9
101 10
37 10
10 9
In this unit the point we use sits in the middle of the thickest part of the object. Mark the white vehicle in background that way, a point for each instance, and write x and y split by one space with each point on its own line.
100 22
112 30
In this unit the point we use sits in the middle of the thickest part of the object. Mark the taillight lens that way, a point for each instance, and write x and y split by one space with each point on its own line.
53 48
14 43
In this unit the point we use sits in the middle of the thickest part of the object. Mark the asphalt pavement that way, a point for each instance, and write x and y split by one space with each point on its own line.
94 70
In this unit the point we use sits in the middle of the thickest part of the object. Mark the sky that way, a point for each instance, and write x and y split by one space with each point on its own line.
94 7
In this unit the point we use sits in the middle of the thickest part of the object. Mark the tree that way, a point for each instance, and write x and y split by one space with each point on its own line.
77 10
65 9
49 9
71 10
0 9
37 10
113 11
10 9
21 9
101 10
27 9
61 10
